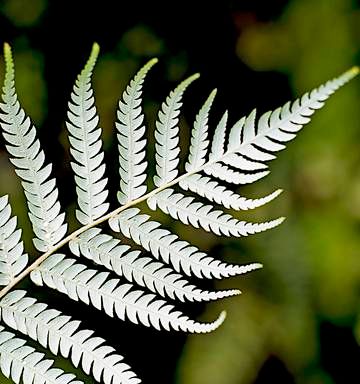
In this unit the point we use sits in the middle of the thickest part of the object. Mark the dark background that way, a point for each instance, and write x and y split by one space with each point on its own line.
298 319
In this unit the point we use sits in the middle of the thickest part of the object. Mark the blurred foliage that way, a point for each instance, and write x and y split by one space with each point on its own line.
23 13
312 262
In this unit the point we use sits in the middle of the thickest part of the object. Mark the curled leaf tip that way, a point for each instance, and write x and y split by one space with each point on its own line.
221 318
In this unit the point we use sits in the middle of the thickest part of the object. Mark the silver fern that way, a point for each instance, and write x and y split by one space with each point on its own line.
236 155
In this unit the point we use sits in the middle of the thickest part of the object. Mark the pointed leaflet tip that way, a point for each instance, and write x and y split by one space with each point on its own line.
184 84
151 62
89 66
219 320
354 71
8 57
349 74
256 266
280 220
95 47
194 76
9 67
7 48
142 72
94 53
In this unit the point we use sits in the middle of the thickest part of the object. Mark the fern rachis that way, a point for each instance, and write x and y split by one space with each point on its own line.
237 157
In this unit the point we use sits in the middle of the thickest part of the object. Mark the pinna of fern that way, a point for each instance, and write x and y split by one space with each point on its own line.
238 155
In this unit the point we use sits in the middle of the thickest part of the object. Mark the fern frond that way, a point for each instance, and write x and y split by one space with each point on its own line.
213 191
24 364
86 147
225 173
238 156
131 142
199 136
238 161
144 271
191 212
61 335
40 191
93 287
253 142
12 259
166 246
166 135
218 142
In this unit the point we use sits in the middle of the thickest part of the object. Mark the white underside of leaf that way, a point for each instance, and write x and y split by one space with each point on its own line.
22 363
131 141
190 212
86 147
166 135
199 136
61 335
29 160
93 287
12 259
166 246
144 271
206 187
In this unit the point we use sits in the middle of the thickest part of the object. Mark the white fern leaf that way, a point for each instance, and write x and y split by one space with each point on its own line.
23 364
213 191
131 141
225 173
86 147
199 136
240 162
93 287
197 214
61 335
166 135
255 142
218 142
245 124
144 271
12 259
166 246
29 160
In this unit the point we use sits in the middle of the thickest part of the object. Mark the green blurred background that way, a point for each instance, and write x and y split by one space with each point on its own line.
298 320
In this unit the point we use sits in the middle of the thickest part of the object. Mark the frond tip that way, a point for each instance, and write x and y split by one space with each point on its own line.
354 71
166 134
29 160
86 144
131 142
